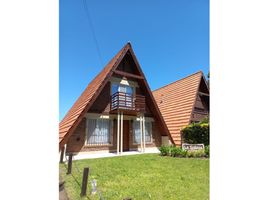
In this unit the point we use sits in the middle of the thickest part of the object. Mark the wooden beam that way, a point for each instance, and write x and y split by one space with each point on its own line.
126 74
203 94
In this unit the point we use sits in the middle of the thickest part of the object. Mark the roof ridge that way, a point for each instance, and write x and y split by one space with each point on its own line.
178 80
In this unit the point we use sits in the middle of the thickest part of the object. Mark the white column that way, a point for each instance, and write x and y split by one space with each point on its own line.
143 124
122 132
65 149
118 131
141 133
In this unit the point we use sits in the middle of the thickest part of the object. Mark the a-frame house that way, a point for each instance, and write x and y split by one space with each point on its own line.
183 102
115 113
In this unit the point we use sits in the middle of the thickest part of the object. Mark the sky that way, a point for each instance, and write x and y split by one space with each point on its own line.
170 40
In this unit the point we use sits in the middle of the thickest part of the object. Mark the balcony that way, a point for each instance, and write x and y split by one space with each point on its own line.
127 102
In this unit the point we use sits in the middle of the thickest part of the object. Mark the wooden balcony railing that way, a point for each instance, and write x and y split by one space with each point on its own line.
124 101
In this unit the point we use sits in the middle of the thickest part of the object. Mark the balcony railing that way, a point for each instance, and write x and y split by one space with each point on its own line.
125 101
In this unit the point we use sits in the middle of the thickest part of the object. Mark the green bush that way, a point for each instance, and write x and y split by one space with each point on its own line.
207 150
196 154
174 151
196 133
205 120
183 153
164 150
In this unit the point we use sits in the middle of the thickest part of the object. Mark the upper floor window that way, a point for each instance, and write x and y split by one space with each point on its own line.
116 87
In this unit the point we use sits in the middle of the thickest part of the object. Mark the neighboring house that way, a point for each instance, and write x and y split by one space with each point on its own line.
183 102
116 112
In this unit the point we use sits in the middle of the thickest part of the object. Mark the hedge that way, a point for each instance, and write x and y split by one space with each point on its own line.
179 152
196 133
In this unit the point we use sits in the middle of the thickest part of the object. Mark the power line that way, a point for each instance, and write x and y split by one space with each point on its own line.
93 31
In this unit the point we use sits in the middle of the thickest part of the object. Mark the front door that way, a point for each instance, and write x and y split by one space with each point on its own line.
126 135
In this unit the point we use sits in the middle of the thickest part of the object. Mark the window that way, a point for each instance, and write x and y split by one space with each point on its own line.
148 131
121 88
99 131
137 132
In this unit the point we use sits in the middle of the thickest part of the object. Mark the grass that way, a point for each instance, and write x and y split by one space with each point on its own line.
145 176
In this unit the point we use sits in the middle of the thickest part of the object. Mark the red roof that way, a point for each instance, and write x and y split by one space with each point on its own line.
176 102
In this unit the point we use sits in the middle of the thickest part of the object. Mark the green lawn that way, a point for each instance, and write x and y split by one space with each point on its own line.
145 176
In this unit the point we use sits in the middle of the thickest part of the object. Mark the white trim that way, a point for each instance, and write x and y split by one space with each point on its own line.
122 132
118 133
143 125
86 129
141 146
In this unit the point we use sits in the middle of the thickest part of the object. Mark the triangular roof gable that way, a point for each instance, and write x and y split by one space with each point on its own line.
202 82
176 102
90 94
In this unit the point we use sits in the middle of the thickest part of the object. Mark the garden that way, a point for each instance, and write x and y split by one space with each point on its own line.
139 177
175 173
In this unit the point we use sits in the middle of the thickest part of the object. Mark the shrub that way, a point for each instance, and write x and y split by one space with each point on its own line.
205 120
174 151
164 150
196 154
183 153
197 133
207 150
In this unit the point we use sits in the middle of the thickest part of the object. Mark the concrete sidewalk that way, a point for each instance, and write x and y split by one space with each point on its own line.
81 156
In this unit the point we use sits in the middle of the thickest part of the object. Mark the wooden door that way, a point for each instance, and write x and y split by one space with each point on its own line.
126 135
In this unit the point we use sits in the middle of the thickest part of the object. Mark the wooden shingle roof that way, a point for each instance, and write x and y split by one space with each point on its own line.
176 102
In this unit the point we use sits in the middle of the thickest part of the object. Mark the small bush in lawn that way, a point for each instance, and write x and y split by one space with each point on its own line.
177 152
183 153
207 151
164 150
200 153
190 154
196 154
174 151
